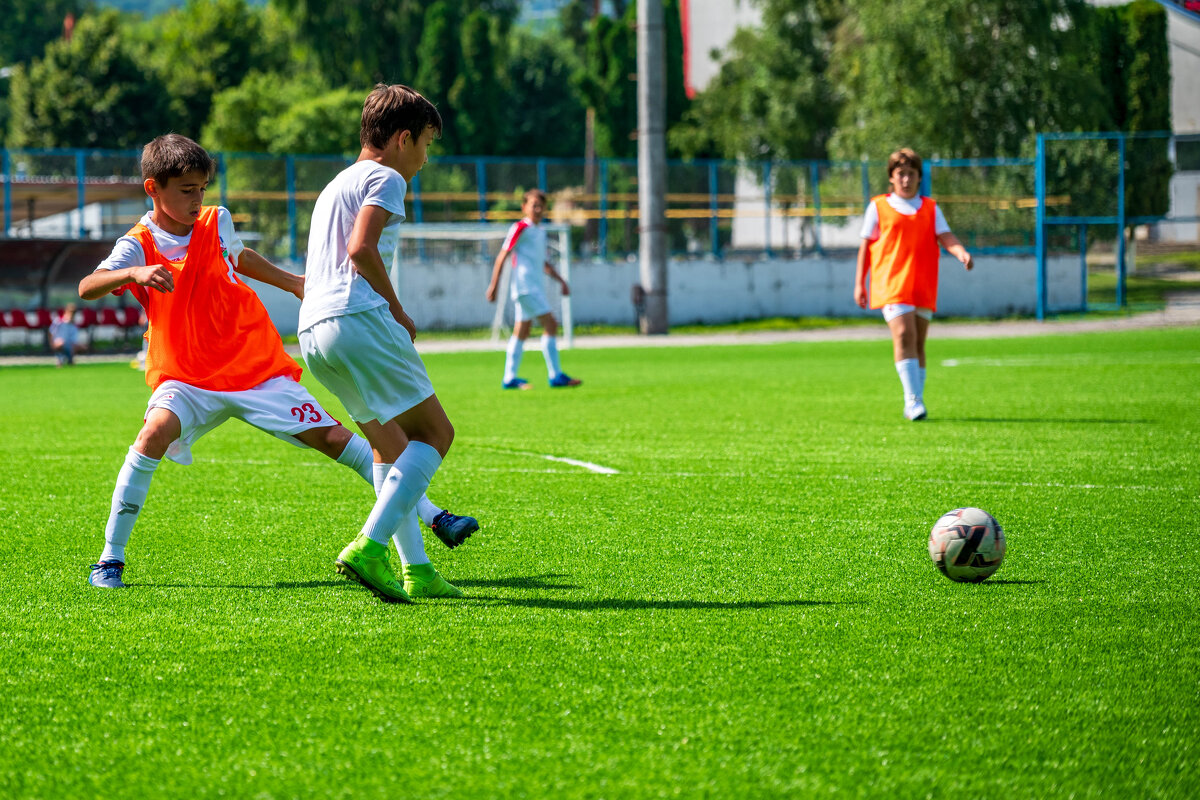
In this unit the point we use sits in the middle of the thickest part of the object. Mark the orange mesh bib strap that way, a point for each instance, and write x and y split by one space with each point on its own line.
904 259
212 331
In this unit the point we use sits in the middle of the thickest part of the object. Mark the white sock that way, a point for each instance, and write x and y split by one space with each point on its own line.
921 382
133 484
409 543
909 371
357 456
550 351
512 358
427 511
404 482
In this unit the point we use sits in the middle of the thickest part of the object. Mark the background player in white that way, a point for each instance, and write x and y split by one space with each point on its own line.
526 242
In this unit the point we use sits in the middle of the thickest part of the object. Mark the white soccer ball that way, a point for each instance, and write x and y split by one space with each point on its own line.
967 545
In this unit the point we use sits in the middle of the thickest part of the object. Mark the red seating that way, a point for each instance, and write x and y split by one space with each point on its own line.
108 316
130 316
85 318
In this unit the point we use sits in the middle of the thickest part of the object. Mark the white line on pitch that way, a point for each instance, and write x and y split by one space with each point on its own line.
585 464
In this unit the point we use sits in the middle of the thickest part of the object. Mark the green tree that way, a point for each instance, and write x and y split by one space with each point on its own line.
367 41
980 82
88 92
29 25
543 113
771 98
475 93
1136 68
245 118
607 78
439 54
204 48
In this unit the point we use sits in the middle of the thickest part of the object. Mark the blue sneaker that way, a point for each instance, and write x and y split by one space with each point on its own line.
515 383
452 529
107 575
563 379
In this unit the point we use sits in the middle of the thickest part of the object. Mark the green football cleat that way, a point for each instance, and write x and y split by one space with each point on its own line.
422 580
366 562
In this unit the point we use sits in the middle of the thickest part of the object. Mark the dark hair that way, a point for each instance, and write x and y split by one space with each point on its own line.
173 155
389 110
904 157
538 193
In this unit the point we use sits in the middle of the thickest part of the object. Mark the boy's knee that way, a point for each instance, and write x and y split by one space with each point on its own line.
445 438
157 434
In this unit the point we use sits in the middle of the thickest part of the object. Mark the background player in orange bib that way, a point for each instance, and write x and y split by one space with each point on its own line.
898 258
213 350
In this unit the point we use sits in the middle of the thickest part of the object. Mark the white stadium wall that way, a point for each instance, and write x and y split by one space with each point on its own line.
708 291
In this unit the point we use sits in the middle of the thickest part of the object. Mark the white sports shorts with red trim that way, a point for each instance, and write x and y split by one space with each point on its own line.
279 406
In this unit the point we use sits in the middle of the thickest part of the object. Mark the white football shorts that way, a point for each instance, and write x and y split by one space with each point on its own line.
369 361
279 406
530 305
893 310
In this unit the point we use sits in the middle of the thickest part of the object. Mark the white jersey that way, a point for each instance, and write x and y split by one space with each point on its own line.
332 285
870 228
527 240
127 252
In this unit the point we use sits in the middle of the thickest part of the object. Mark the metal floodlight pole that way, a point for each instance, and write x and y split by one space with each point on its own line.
652 164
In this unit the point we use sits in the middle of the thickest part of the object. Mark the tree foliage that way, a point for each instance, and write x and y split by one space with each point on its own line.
29 25
475 92
1136 69
204 48
543 115
771 98
87 92
980 82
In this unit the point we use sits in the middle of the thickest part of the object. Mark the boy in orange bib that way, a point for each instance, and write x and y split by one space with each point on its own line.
213 350
899 254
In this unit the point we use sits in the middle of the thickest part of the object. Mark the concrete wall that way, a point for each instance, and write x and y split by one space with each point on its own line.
707 291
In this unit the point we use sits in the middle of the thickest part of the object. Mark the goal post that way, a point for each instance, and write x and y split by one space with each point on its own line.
466 242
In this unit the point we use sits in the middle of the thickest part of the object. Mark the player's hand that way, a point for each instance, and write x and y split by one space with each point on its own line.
298 287
967 261
154 277
405 322
491 294
566 290
860 296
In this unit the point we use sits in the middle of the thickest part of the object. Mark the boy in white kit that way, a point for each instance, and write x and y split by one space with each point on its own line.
526 242
358 340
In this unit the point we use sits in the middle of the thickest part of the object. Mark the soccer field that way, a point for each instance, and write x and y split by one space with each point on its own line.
739 604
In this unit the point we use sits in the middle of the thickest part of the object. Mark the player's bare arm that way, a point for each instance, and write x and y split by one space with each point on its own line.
553 273
497 268
860 274
253 265
363 249
101 282
956 249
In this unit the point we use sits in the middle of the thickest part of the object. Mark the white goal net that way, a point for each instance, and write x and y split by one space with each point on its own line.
475 245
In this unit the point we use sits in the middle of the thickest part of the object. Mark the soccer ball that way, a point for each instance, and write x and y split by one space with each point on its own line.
967 545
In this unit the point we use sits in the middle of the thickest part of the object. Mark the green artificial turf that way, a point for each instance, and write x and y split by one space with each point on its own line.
746 608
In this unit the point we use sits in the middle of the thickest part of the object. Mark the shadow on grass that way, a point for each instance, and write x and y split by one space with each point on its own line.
1043 420
604 604
519 582
339 583
1010 583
